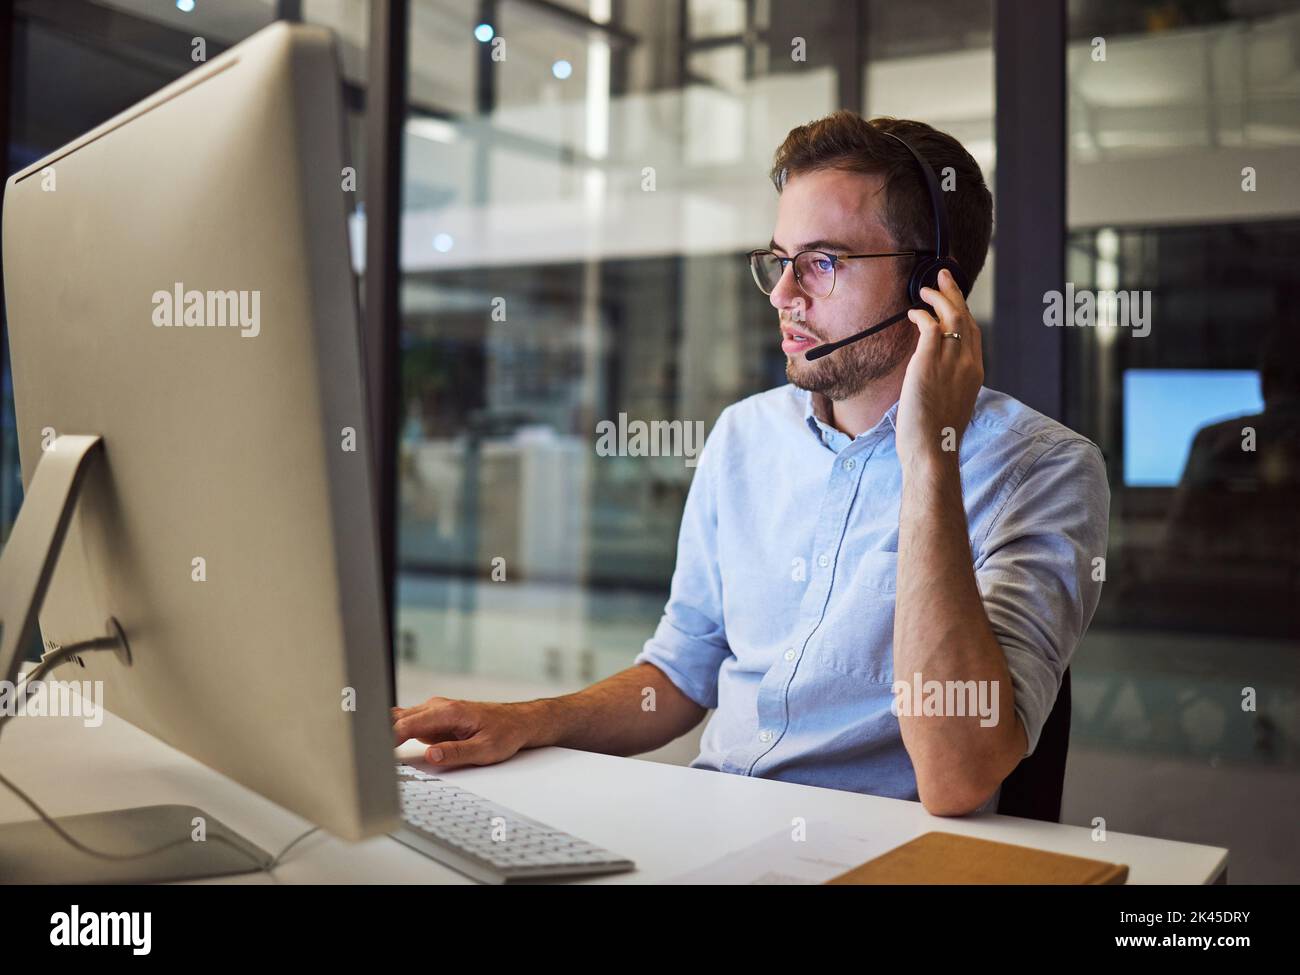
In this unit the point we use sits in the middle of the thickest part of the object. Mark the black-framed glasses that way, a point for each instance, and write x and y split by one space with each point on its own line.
814 271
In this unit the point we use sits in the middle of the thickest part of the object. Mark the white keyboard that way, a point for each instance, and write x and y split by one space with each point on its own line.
487 841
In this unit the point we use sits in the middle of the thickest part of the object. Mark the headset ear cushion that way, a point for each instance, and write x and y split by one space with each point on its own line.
926 275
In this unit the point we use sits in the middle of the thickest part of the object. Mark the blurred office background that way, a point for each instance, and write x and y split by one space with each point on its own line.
571 234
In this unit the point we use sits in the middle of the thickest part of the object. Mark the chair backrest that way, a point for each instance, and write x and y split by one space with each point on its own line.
1033 789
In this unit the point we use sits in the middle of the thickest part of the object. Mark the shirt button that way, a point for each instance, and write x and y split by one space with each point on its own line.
823 561
789 654
850 464
765 735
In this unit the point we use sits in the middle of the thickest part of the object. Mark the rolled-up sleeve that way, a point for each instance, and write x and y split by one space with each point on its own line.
1039 574
690 642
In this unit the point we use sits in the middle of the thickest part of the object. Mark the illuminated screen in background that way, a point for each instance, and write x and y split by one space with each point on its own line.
1164 409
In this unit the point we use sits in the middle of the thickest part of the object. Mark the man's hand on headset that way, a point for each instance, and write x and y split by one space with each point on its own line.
942 379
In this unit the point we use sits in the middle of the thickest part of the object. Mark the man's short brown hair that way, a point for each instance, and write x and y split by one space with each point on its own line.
845 140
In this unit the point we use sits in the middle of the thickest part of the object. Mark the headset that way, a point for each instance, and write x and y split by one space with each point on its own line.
925 273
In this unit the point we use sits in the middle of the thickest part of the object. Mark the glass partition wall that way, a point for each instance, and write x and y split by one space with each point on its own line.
581 187
1184 145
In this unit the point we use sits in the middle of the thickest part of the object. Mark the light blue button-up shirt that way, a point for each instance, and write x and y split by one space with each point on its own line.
781 611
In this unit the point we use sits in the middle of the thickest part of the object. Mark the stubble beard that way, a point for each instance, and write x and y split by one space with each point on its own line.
849 370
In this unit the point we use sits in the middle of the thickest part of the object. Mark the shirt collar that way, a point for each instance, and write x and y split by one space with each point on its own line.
817 414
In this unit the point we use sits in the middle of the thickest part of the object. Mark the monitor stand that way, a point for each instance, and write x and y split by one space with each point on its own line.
32 851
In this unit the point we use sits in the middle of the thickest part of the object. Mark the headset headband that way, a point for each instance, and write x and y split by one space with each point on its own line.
936 199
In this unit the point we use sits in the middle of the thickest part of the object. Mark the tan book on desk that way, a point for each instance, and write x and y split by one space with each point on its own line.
946 858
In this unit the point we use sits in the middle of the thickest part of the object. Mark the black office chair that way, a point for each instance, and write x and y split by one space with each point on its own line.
1033 789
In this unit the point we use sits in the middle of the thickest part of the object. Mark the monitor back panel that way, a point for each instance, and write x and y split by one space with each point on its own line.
231 526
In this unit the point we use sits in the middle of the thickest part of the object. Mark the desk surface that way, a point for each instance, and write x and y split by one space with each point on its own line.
667 818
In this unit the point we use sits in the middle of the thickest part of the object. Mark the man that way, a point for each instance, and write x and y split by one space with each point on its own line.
882 516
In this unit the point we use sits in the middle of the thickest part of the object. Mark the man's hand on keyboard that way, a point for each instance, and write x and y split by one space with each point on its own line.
464 732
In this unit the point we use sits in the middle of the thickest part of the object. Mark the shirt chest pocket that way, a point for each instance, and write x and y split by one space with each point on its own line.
856 638
873 571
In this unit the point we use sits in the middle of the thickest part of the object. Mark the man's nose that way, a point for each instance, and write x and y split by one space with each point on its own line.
787 290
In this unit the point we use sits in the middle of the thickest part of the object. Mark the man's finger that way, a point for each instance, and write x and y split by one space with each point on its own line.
948 312
928 328
948 285
401 712
432 720
471 751
969 327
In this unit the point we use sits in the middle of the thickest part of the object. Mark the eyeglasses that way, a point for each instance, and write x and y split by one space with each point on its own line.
814 271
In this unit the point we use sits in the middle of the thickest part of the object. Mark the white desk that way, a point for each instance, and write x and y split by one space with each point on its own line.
667 818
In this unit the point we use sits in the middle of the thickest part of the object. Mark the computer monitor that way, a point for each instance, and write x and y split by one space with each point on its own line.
185 348
1164 409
